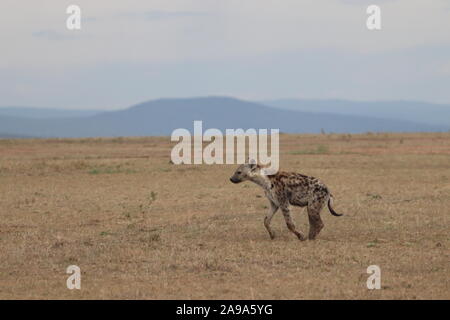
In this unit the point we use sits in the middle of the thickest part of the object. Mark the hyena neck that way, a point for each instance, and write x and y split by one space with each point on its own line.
261 180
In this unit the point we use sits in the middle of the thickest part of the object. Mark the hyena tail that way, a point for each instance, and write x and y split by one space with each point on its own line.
330 207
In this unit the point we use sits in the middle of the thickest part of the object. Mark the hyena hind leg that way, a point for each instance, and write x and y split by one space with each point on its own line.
291 225
315 222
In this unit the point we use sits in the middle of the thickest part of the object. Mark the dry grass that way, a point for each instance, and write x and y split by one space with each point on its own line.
139 227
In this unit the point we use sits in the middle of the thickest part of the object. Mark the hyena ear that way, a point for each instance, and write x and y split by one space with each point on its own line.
252 163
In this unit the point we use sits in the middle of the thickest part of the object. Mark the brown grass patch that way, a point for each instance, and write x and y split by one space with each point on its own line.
139 227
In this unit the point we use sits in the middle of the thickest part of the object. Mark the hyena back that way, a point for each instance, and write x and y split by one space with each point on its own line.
289 188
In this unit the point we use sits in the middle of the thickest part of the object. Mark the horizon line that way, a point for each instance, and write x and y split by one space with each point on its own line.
259 101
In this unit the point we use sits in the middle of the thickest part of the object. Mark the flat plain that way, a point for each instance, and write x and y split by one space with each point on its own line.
140 227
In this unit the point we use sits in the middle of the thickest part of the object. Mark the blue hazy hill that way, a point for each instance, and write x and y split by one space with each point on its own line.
162 116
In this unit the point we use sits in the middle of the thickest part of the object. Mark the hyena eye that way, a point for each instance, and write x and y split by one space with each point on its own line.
239 172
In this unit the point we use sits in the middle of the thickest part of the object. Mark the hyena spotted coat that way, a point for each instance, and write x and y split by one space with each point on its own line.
289 188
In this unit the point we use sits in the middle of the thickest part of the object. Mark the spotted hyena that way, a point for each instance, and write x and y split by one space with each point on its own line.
289 188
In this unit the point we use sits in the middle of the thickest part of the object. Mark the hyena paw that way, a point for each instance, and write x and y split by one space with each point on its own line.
301 237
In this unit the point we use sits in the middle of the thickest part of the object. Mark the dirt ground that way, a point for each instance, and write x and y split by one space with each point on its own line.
140 227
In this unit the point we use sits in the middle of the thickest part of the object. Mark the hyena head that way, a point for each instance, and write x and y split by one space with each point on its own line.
245 172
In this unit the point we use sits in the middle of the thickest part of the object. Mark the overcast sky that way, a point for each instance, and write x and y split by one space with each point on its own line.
131 51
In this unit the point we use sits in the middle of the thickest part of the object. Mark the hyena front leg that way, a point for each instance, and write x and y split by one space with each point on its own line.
290 223
272 210
315 222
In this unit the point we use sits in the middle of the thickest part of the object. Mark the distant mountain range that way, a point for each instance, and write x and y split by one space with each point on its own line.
161 117
422 112
45 113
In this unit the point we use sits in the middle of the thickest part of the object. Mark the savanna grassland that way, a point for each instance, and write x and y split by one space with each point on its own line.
141 227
